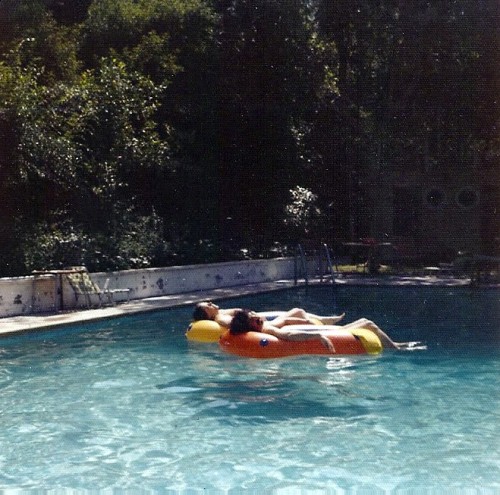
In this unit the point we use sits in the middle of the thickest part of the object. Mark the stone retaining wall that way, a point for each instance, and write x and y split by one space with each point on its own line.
49 293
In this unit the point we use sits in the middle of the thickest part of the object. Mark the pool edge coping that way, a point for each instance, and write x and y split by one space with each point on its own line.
15 325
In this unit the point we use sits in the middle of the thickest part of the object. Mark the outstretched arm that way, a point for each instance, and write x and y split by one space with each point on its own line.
299 336
281 321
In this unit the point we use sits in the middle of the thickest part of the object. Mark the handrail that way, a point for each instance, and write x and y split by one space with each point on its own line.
329 262
321 254
300 256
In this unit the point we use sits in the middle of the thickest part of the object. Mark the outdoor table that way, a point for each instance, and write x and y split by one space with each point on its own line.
372 248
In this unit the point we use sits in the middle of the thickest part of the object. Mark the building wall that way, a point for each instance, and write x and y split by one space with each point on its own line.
438 214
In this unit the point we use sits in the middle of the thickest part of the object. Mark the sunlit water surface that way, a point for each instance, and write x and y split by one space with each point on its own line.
129 404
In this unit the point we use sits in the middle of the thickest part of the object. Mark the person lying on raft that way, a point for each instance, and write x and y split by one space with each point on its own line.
207 310
245 321
385 340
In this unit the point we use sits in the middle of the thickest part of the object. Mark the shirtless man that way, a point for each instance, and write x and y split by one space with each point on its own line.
246 320
207 310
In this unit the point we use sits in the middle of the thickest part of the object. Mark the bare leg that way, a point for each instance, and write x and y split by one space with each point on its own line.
284 320
296 313
297 316
387 342
326 320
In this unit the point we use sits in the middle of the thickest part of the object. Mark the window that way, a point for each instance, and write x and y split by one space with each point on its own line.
467 198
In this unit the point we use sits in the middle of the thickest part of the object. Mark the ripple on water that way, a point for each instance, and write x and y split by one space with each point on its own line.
133 409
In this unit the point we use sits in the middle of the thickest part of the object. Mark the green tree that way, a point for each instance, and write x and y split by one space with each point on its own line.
195 118
271 76
82 147
302 213
34 38
414 79
172 44
92 137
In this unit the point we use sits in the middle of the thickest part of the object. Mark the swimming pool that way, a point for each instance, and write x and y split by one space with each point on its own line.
129 404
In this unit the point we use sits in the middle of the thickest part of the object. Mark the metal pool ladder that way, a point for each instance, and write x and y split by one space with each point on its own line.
321 256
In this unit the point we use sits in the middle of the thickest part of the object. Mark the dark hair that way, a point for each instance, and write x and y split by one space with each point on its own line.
199 313
240 322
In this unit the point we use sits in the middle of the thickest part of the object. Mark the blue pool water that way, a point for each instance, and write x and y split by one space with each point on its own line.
128 404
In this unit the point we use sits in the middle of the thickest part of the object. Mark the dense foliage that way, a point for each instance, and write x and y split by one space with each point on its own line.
150 132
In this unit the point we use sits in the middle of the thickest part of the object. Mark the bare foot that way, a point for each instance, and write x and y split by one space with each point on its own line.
409 345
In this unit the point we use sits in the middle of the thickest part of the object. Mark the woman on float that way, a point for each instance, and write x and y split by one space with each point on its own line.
269 327
207 310
245 321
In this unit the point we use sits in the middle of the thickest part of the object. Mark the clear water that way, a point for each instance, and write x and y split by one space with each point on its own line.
129 405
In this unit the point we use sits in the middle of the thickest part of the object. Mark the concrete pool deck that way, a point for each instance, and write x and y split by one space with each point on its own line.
47 321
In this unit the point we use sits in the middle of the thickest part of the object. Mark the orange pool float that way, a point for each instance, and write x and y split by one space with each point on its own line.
262 345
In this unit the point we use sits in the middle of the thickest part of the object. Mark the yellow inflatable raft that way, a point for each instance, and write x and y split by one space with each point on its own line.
205 331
